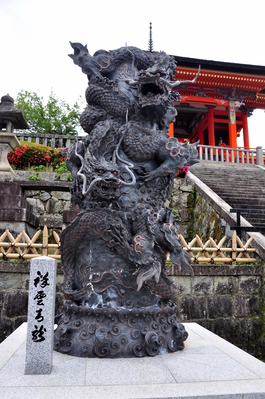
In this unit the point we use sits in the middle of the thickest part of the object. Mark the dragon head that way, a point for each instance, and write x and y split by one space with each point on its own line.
155 96
103 179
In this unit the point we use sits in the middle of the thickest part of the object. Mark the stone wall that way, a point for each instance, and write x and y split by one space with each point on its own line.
228 300
196 213
48 205
31 204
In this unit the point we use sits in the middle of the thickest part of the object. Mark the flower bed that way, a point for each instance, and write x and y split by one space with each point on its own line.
31 154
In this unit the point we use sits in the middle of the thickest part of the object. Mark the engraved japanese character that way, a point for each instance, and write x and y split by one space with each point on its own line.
39 297
41 280
38 334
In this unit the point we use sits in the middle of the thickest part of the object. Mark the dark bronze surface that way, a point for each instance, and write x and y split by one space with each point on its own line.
119 300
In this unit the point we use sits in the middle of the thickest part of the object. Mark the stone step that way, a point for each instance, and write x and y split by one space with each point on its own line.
215 176
239 187
238 180
234 193
256 222
247 201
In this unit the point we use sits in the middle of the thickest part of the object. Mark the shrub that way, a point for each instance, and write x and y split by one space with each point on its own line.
31 155
35 177
61 168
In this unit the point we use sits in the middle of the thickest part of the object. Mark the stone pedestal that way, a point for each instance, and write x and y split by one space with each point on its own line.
8 141
16 214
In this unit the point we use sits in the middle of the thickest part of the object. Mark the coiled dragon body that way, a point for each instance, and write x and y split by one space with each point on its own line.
123 171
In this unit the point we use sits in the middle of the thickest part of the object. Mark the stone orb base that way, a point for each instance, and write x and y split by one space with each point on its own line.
111 333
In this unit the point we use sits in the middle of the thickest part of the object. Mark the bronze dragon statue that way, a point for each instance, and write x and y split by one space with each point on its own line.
119 300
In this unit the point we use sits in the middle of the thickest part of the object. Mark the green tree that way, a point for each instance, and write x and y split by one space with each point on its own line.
54 117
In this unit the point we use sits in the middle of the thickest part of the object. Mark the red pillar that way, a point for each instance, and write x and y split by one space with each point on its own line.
201 136
245 131
232 124
211 137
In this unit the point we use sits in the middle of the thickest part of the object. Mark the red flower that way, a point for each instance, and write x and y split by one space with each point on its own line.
184 169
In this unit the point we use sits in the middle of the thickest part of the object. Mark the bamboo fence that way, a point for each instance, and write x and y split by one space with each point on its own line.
211 252
25 248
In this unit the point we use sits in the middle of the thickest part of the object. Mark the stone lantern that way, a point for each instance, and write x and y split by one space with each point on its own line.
10 118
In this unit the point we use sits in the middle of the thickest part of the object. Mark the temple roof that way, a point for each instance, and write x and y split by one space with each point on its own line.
220 65
222 80
217 83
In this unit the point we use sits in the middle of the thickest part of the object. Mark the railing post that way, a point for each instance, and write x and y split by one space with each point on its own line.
234 248
242 156
247 158
237 156
45 241
211 154
200 153
232 156
222 155
227 155
259 156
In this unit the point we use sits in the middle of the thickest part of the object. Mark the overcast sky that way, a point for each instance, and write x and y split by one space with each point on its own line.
35 35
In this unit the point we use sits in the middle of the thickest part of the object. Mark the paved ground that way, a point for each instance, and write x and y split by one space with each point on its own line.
208 368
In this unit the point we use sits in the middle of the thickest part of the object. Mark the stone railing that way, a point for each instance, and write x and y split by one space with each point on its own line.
51 140
231 155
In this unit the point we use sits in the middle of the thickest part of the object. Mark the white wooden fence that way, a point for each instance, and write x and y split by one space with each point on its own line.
231 155
51 140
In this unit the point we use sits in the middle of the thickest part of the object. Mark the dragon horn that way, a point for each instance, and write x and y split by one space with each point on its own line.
180 82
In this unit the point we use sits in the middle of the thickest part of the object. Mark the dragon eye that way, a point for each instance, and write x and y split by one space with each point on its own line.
101 171
115 172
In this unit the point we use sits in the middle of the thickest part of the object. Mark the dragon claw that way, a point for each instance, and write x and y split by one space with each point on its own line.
147 273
